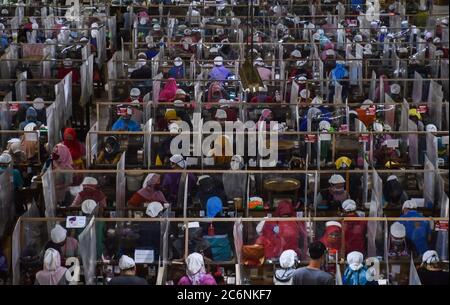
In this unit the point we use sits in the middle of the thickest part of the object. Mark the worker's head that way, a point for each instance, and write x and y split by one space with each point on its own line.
127 265
317 251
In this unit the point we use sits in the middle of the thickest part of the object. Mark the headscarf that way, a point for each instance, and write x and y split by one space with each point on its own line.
262 119
219 73
115 148
215 89
339 72
65 159
332 227
355 260
52 271
31 113
148 190
75 147
284 208
169 91
214 206
195 268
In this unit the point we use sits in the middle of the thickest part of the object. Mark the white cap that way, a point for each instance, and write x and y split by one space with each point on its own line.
135 92
305 93
333 224
336 179
142 55
156 27
126 262
58 234
288 258
366 103
180 91
89 181
387 127
378 127
51 257
398 230
324 125
218 61
302 79
174 128
179 160
178 103
38 103
358 38
383 29
221 114
259 61
94 25
437 40
317 100
349 205
88 206
154 208
354 260
409 204
392 177
430 257
194 263
330 52
428 35
296 53
431 128
178 62
5 158
395 88
260 227
30 136
193 225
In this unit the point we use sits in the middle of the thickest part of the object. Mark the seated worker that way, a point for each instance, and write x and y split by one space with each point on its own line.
66 69
332 236
318 112
77 149
208 187
354 231
142 71
394 194
284 275
332 198
278 236
227 51
386 155
173 183
152 50
149 192
181 95
312 274
110 153
235 182
5 162
177 71
216 92
127 273
430 273
66 246
125 123
30 117
163 148
355 272
150 232
30 141
181 112
196 272
52 272
169 91
196 242
170 116
219 72
262 96
135 94
443 149
231 111
399 249
264 73
264 120
89 189
39 106
418 232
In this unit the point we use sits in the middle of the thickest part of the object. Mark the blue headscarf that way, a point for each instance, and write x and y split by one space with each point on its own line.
339 72
213 207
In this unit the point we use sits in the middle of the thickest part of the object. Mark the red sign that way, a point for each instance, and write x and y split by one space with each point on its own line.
372 110
121 111
14 107
441 225
343 128
364 138
311 138
422 109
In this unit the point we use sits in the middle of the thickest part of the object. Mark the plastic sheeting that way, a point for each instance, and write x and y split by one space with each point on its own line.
373 85
429 179
101 47
238 239
5 118
67 81
156 87
389 111
86 76
91 145
442 237
21 87
413 275
7 207
432 151
121 183
417 88
48 189
16 250
148 127
374 230
434 102
88 251
413 143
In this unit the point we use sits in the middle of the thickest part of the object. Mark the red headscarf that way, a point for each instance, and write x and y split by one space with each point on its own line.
75 147
331 244
170 89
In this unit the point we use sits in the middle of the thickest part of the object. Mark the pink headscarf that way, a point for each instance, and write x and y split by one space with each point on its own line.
170 89
264 115
65 159
52 271
148 190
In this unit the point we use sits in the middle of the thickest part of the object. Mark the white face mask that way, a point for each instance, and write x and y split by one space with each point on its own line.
235 165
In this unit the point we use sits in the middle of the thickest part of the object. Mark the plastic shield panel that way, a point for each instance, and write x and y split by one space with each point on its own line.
417 88
120 187
88 251
7 207
429 183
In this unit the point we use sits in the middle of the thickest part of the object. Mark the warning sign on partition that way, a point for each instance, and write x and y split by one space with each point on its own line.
441 225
